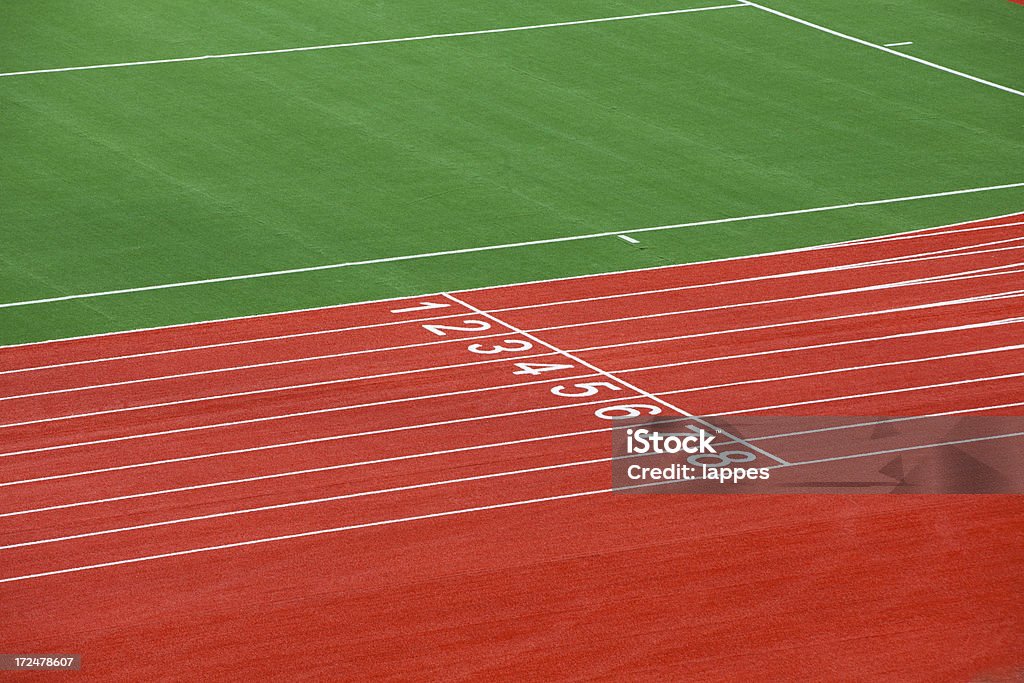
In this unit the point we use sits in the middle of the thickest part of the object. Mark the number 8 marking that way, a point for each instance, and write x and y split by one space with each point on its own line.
721 459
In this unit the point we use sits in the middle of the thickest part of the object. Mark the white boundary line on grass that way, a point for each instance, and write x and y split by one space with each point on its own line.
883 48
516 245
916 233
365 43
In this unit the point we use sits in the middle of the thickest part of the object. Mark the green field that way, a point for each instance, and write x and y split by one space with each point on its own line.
128 177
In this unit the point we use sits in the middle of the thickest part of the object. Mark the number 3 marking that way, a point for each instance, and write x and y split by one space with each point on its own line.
514 346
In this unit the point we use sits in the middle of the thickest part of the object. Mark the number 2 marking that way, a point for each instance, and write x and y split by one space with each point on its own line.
470 326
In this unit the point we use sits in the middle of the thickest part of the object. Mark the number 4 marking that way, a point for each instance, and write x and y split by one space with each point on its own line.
425 306
539 368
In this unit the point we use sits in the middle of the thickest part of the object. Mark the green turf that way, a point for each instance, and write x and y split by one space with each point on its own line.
146 175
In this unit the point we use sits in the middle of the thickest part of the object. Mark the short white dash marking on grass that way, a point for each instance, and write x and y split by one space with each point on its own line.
909 42
629 239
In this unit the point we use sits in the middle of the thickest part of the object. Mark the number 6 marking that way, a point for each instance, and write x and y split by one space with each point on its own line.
627 411
522 343
586 389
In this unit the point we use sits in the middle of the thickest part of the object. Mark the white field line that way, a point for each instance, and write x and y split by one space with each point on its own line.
307 413
451 482
385 460
902 309
887 392
365 43
890 51
916 233
614 378
435 515
953 277
903 44
525 334
941 254
364 463
510 245
627 238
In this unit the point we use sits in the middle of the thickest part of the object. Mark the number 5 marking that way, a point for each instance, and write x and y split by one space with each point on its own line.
585 389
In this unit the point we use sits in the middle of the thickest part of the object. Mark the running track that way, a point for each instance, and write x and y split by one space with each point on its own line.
349 492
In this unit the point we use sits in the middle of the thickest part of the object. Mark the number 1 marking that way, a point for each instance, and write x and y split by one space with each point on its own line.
425 306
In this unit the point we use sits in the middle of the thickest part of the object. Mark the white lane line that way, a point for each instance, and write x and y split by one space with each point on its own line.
837 371
875 46
871 394
996 437
451 482
904 44
993 323
364 463
809 347
525 334
926 233
916 233
895 420
510 245
364 43
341 354
289 361
629 239
901 261
931 280
307 534
331 356
387 522
614 378
302 472
942 254
301 503
305 413
255 392
902 309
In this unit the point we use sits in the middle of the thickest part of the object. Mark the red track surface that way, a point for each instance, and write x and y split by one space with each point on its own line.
127 461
